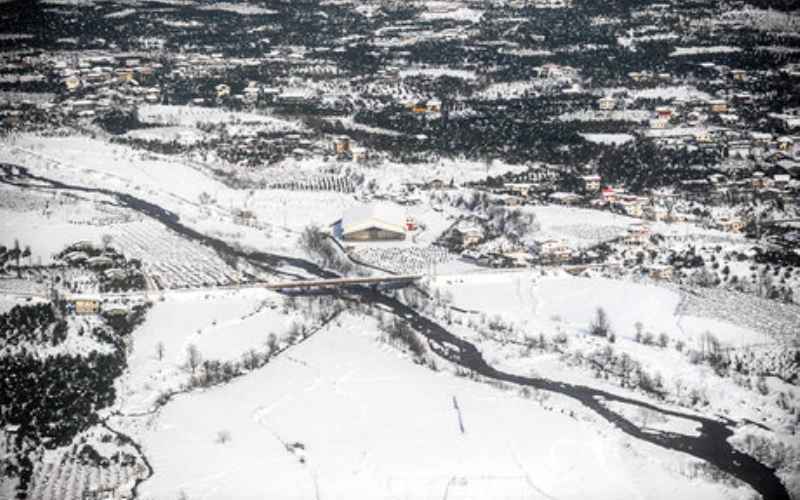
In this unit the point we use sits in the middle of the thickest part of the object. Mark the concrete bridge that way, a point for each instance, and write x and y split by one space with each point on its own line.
400 280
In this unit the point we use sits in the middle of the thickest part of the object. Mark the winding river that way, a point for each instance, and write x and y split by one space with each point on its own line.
711 444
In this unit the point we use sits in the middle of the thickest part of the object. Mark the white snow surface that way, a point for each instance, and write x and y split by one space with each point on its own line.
368 423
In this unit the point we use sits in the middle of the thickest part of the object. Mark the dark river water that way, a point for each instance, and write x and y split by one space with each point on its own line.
711 444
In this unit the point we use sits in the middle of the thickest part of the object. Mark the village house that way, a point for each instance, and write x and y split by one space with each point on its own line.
76 257
785 143
222 90
115 273
471 237
245 218
606 103
781 181
590 183
434 106
71 83
360 154
518 259
703 136
554 251
251 92
630 204
664 112
760 181
565 198
739 149
655 213
659 272
658 123
100 262
341 145
731 224
785 121
637 235
608 194
718 106
84 305
636 76
519 188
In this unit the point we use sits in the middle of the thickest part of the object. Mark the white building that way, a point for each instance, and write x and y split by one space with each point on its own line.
374 223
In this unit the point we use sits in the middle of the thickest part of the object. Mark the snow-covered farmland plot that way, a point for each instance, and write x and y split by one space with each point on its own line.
62 475
402 259
170 259
579 227
553 304
191 116
222 325
95 163
185 136
50 221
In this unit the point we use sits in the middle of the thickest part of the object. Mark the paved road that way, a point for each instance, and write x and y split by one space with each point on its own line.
710 445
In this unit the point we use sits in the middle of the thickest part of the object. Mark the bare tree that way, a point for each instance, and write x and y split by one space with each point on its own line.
639 328
272 344
250 359
600 326
106 239
160 351
223 437
193 357
27 253
15 254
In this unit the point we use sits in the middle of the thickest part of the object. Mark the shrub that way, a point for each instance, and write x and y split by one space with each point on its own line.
761 385
223 437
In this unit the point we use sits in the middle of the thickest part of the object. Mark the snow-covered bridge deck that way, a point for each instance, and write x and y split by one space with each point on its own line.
343 282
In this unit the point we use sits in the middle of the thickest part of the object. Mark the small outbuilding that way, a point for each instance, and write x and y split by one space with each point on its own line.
85 305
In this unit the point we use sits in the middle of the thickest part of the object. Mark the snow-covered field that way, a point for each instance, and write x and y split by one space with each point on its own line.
191 116
691 51
552 303
182 135
223 325
343 416
564 306
614 139
579 227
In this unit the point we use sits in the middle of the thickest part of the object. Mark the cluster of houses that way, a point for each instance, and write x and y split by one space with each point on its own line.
93 81
345 149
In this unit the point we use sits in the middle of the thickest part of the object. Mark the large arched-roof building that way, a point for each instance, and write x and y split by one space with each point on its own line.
373 223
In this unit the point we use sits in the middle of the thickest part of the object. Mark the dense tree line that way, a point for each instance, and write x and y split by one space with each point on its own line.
50 399
32 323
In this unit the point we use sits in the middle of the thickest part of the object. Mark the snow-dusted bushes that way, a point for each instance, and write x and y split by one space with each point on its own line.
780 454
318 245
400 333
